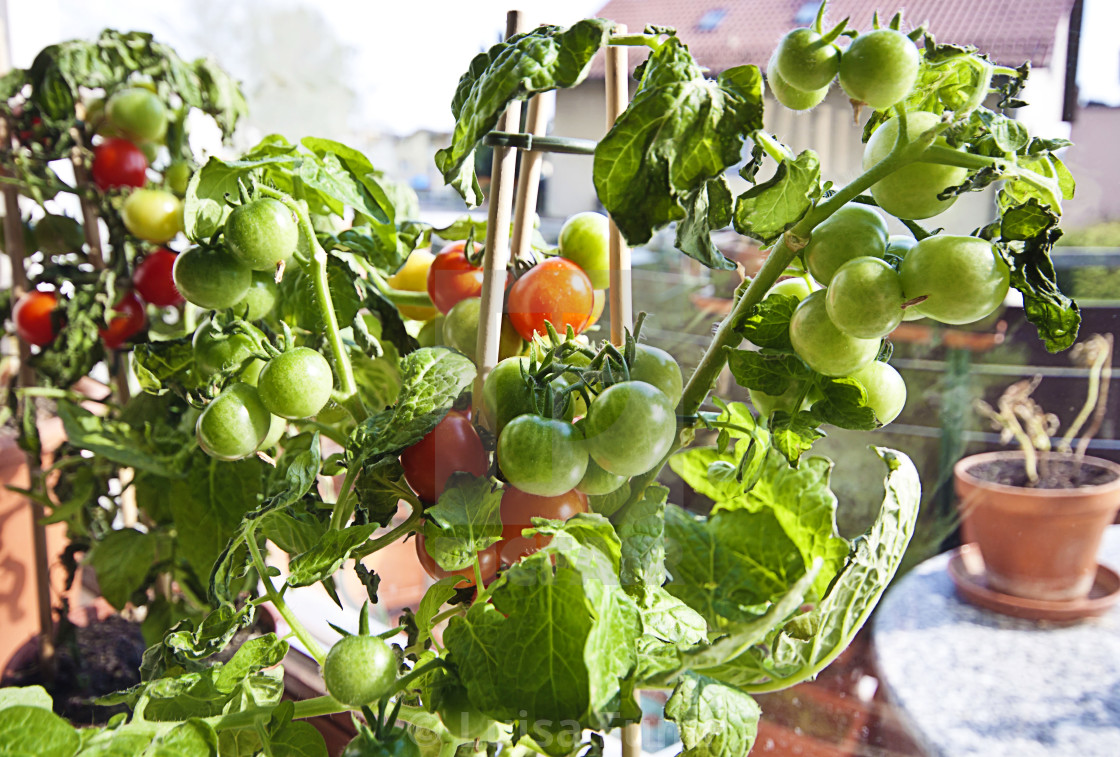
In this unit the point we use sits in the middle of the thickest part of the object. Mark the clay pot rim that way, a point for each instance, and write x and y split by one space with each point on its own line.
961 469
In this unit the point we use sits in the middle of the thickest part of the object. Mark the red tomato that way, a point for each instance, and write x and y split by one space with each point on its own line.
518 510
452 278
153 281
118 163
487 563
32 316
122 327
555 290
453 445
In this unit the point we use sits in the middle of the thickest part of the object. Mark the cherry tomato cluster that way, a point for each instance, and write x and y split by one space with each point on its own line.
551 461
566 290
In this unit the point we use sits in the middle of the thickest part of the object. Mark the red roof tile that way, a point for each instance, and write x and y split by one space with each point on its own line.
1009 31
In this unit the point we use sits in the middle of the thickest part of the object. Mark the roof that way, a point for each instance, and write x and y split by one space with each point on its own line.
1009 31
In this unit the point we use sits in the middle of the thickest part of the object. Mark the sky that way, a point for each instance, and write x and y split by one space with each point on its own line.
378 65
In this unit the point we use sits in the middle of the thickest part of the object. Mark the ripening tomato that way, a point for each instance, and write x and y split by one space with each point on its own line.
518 509
453 445
452 278
128 322
153 281
33 319
555 290
118 163
487 563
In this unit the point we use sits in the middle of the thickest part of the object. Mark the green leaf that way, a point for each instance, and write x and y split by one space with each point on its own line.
434 598
693 464
212 635
344 178
793 435
767 325
30 731
298 303
297 738
325 559
380 488
161 365
194 738
679 131
707 209
208 505
122 560
118 441
715 720
730 565
765 211
205 205
431 380
254 655
768 372
641 532
844 404
464 522
29 696
544 59
669 619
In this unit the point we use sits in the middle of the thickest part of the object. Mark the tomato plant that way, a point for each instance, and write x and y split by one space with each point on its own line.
137 112
234 424
962 278
452 278
853 231
556 291
34 319
864 298
824 347
630 427
128 321
453 445
210 277
879 68
118 163
539 455
153 279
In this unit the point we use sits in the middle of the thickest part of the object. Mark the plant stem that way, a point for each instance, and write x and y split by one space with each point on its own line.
318 269
278 602
397 296
409 524
342 507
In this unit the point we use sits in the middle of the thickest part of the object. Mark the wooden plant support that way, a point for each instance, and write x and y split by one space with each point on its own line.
497 254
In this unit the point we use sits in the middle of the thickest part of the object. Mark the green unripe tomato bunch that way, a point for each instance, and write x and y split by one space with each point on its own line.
878 68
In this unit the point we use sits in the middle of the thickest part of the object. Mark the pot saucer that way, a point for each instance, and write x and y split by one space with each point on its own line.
966 568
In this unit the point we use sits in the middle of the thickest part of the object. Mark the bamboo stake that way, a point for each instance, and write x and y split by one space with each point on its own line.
528 182
620 296
496 255
13 234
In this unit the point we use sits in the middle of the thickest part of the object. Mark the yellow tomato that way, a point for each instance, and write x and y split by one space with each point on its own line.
413 277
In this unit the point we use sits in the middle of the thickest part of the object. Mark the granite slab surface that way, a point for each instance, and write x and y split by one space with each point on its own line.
969 681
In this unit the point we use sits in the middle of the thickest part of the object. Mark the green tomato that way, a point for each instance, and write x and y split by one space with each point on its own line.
962 278
431 333
296 384
790 96
139 113
234 424
864 298
885 387
276 430
825 348
630 427
178 176
460 331
359 670
585 240
766 404
506 395
900 244
657 367
210 277
805 62
911 191
260 300
795 286
851 232
154 215
215 352
542 456
597 481
262 233
58 235
879 68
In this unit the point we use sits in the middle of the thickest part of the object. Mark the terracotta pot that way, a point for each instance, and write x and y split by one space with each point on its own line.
1036 543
